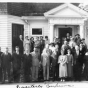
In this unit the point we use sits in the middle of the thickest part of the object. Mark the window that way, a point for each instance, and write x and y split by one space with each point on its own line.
36 31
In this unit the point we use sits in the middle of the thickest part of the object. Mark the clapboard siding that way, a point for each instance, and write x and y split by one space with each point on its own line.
26 29
6 30
3 32
16 20
86 31
9 37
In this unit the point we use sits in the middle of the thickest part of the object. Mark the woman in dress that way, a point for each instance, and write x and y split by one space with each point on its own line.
26 44
62 60
70 64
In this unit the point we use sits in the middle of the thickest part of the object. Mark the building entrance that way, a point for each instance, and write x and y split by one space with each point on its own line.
64 31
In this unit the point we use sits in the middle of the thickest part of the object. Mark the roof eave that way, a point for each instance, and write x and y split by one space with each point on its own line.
33 18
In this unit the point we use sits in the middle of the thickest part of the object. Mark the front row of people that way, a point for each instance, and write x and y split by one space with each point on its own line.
63 65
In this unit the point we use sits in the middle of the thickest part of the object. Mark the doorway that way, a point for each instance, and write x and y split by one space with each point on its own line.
64 31
17 29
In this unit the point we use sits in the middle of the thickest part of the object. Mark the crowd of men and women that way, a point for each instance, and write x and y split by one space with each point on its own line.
64 59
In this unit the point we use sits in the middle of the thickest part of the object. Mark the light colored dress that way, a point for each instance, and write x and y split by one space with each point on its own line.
27 45
70 65
63 66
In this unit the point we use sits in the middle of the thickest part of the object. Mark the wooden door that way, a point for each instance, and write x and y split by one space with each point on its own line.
17 29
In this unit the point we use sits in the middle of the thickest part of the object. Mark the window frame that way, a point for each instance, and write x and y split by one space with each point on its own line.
36 29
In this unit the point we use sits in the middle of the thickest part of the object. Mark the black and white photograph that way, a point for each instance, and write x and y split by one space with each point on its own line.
43 43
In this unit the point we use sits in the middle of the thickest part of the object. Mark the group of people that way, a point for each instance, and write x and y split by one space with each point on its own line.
66 59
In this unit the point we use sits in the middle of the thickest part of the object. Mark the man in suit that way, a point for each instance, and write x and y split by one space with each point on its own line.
55 67
27 64
84 44
31 44
58 41
35 64
78 39
45 59
16 61
67 37
37 44
42 44
6 65
47 41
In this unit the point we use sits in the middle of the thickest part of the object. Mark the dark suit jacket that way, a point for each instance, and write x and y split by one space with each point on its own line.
27 61
6 61
55 58
20 45
16 60
42 45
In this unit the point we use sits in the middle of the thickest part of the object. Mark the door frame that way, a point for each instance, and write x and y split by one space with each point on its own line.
63 26
66 30
18 36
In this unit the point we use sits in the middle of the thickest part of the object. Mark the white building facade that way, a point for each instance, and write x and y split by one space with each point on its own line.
55 23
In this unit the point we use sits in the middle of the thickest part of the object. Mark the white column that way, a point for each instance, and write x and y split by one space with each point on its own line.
28 29
81 30
51 32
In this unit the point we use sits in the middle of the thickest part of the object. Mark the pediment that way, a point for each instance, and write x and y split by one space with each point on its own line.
66 10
